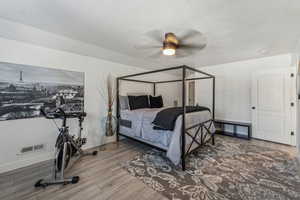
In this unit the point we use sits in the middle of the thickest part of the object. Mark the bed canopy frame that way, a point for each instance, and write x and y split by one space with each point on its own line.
201 128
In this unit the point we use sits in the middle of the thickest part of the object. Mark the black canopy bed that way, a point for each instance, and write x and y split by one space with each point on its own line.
177 130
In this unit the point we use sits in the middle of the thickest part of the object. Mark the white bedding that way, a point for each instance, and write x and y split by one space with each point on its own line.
136 117
142 129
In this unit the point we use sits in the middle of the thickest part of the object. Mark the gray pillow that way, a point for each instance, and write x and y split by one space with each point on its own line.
124 103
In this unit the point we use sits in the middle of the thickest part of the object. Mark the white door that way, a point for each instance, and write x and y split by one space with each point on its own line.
274 105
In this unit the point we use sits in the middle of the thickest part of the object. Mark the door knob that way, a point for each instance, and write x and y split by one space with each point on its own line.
253 108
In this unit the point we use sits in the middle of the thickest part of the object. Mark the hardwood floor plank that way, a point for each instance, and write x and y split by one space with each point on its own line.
101 177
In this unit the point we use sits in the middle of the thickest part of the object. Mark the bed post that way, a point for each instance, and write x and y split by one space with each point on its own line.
213 107
118 110
154 89
183 118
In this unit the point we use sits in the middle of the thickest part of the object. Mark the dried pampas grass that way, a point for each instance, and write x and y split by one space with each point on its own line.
109 99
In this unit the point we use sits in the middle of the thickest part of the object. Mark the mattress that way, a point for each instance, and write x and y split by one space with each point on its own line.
142 128
135 117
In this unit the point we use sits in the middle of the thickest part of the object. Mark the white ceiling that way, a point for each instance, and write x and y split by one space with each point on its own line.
235 30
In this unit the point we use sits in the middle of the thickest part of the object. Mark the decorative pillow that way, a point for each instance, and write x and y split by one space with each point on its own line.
124 103
137 102
156 102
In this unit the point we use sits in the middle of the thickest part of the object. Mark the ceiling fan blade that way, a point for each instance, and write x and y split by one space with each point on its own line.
156 35
190 34
145 46
192 46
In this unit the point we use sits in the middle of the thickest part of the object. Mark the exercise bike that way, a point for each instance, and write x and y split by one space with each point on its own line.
67 147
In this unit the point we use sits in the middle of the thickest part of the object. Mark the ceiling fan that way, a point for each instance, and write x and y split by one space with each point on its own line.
170 44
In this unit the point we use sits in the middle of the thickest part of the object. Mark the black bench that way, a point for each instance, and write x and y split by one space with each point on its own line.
220 128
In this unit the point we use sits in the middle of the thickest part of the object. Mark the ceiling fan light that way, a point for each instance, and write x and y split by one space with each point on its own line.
169 51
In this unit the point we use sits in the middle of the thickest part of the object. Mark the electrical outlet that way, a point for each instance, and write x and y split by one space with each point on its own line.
27 149
38 147
34 148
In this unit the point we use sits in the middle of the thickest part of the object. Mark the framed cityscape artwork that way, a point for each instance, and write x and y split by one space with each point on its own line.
25 89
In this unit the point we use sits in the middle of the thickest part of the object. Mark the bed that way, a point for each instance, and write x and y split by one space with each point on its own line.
191 129
141 128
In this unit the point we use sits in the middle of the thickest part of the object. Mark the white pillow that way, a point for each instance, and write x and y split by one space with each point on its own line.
124 103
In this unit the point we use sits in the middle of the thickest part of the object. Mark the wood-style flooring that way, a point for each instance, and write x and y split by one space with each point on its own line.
101 177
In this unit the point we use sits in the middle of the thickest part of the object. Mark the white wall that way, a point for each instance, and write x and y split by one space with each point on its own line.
170 92
16 134
233 86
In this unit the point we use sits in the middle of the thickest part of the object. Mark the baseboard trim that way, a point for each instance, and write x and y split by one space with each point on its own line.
291 145
33 160
24 162
234 120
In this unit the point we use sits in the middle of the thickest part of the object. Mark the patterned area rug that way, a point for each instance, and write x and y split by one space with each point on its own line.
232 169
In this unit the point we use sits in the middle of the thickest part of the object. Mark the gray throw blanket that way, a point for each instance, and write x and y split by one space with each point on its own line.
166 118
